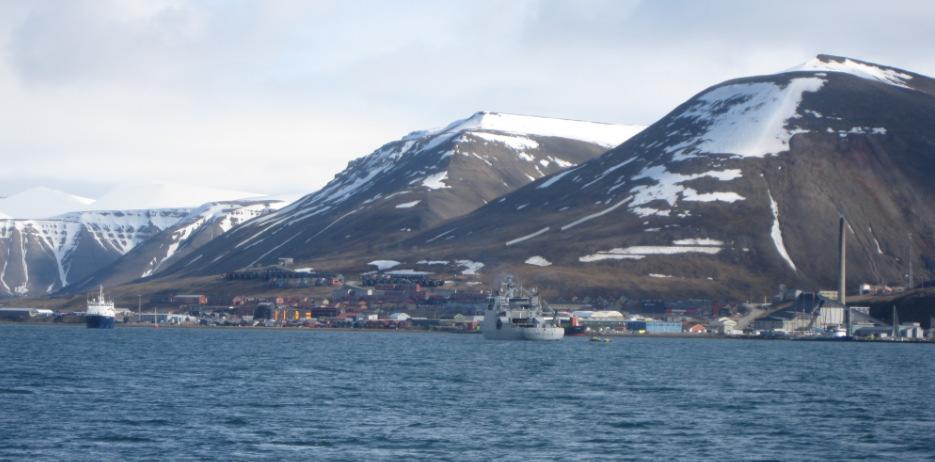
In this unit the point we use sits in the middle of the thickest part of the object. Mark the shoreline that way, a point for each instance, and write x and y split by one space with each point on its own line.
433 331
119 326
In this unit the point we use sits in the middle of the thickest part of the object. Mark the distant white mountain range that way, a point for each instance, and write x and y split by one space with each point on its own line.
42 202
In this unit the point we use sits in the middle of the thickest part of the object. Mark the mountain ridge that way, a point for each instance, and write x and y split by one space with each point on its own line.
422 179
727 167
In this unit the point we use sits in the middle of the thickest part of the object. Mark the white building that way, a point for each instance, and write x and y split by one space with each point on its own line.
913 331
830 316
398 317
728 326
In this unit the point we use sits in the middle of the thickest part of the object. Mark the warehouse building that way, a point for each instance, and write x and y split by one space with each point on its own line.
24 314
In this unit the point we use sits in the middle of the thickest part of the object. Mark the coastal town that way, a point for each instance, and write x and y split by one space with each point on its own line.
406 300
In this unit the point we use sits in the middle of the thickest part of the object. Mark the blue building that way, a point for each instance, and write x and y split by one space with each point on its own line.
655 327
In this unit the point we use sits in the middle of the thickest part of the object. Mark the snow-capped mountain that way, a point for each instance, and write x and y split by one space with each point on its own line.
189 234
41 202
736 190
42 256
78 248
411 184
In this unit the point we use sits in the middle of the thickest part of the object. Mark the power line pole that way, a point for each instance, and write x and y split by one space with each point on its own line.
842 262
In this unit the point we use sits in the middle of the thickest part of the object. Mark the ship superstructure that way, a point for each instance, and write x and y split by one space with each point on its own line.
513 314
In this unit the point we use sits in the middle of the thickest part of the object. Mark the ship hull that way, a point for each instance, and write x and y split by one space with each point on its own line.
522 333
575 330
99 322
511 334
543 333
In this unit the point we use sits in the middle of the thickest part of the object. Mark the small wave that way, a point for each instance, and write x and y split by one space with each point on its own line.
143 423
122 439
297 445
301 370
16 391
236 421
633 424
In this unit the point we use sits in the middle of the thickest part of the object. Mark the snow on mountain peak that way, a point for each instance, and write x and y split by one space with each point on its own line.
360 172
41 202
604 134
864 70
754 118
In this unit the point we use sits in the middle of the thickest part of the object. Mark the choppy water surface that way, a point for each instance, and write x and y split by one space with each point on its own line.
69 393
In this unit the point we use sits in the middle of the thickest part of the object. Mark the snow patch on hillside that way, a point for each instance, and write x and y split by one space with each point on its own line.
859 131
667 186
439 236
538 260
639 252
744 119
384 264
436 181
612 254
432 262
698 241
693 196
516 142
470 267
555 178
408 205
775 232
876 242
527 237
644 212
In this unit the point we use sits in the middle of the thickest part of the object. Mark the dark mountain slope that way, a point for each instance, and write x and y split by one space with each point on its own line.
736 190
407 186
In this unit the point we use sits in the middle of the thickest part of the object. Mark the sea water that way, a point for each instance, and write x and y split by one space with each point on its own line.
70 393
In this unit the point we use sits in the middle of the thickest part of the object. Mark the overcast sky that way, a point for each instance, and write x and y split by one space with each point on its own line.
277 96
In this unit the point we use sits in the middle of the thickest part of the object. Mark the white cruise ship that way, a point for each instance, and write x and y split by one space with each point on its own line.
100 313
